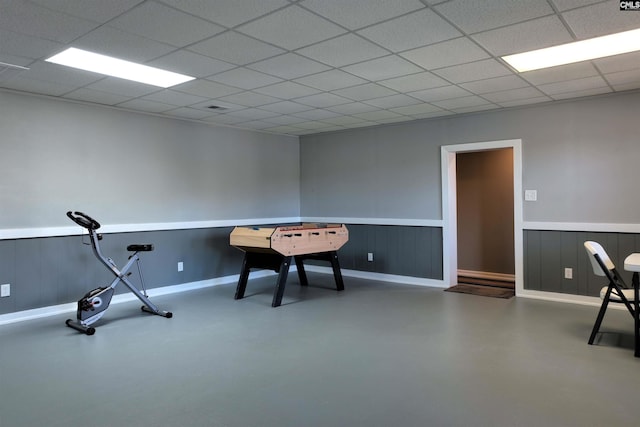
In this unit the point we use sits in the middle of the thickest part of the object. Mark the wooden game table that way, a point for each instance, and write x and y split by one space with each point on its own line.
273 248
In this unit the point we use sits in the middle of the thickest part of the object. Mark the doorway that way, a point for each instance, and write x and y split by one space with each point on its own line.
449 206
484 200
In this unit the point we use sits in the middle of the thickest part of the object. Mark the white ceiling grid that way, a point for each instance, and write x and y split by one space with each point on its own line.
306 66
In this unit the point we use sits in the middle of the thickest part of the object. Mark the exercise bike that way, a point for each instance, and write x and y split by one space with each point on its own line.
94 304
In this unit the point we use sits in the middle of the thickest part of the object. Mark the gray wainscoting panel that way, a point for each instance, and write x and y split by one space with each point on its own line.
57 270
413 251
548 253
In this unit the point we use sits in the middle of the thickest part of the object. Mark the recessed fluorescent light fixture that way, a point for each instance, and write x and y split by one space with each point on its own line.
114 67
599 47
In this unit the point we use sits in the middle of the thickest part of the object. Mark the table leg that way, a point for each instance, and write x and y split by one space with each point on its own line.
244 277
282 280
636 315
302 274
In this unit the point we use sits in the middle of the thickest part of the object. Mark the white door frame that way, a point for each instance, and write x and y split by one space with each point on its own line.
449 214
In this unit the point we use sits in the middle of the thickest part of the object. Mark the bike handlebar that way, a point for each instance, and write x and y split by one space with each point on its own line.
83 220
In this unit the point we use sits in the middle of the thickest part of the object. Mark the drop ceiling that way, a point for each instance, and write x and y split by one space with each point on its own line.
311 66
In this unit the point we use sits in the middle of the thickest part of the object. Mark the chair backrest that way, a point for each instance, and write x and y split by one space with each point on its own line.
595 248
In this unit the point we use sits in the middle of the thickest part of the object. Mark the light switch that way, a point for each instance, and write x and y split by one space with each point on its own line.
530 195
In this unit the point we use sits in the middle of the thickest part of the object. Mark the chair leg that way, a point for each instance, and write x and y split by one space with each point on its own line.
603 308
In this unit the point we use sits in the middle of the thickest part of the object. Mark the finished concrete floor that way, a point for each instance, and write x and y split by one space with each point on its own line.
377 354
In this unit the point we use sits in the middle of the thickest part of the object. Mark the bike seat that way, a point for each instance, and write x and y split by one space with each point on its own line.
140 248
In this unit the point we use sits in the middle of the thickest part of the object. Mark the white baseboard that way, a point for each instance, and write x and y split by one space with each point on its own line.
419 281
38 313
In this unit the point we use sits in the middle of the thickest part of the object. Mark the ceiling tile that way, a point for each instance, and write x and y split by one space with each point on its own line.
581 93
114 42
445 54
344 120
257 124
412 110
513 94
530 35
572 4
98 11
188 113
287 90
573 85
359 13
317 114
440 93
473 16
287 130
22 46
420 28
612 64
527 101
312 125
216 106
331 80
474 108
123 87
264 60
96 96
375 116
286 107
289 66
495 84
291 28
465 101
600 19
54 73
323 100
393 101
626 86
560 73
383 68
244 78
235 48
414 82
353 108
623 78
228 12
398 119
206 88
249 99
343 50
225 119
146 105
175 98
43 23
164 24
485 69
36 86
285 120
192 64
365 91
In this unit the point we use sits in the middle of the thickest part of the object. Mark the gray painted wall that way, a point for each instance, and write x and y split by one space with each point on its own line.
129 168
124 168
57 270
579 155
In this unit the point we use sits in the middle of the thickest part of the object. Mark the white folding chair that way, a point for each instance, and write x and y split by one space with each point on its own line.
616 291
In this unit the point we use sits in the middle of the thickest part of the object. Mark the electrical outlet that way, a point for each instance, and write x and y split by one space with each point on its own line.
530 195
370 256
568 273
180 266
5 290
